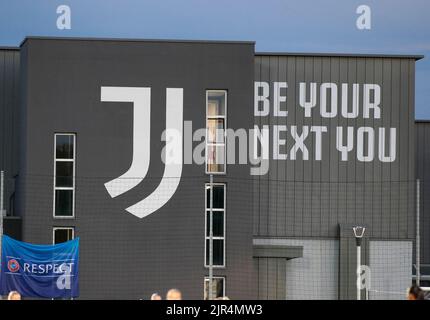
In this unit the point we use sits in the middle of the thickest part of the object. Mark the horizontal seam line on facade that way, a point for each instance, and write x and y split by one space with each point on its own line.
137 40
342 55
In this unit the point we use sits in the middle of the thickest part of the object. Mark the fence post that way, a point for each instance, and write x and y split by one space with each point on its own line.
1 215
1 207
210 296
417 240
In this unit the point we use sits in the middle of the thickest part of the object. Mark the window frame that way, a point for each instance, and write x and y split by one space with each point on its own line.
212 144
73 188
62 228
207 238
206 278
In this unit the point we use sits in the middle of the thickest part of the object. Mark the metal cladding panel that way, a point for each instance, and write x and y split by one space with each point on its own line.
423 174
9 121
12 227
123 256
311 194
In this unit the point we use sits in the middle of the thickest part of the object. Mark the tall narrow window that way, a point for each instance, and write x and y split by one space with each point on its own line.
218 287
64 175
216 112
218 220
63 234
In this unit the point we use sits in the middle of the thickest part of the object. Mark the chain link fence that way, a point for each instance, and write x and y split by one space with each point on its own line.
257 224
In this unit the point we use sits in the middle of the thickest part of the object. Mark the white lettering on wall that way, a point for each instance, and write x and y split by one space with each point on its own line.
278 98
355 101
381 154
365 134
334 100
340 146
367 104
318 130
299 142
261 99
308 105
278 142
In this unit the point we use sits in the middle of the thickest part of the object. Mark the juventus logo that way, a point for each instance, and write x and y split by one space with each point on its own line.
141 99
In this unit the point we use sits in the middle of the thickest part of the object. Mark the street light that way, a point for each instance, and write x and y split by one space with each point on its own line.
211 267
358 234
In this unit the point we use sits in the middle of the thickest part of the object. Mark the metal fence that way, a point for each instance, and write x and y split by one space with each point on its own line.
125 256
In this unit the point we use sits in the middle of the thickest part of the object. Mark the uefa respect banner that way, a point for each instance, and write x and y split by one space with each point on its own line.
45 271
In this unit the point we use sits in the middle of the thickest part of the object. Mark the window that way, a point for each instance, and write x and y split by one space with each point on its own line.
60 235
218 214
218 287
216 111
64 175
63 234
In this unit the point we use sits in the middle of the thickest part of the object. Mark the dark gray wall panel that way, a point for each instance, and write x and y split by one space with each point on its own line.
271 274
12 227
423 174
9 121
331 191
121 255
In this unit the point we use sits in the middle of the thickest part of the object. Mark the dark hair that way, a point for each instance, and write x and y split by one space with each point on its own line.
417 292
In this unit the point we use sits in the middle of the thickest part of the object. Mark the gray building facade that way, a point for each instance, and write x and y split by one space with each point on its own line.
355 165
423 170
337 146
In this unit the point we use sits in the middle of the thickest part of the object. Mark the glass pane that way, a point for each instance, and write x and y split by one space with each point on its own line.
64 203
215 159
218 258
216 103
217 287
64 146
216 131
218 252
62 235
218 223
64 174
218 197
207 252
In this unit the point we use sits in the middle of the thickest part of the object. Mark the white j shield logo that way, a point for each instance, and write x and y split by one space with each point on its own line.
141 99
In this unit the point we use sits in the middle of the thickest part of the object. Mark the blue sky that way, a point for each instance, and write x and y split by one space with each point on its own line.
398 26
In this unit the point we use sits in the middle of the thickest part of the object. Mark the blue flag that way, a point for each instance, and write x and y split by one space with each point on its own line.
46 271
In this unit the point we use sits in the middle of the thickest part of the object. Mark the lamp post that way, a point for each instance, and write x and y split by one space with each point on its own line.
211 272
1 208
1 215
358 234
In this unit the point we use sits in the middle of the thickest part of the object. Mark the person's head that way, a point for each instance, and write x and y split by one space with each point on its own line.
415 293
14 295
155 296
174 294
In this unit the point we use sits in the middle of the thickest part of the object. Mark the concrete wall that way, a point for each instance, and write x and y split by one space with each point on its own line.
313 276
391 272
